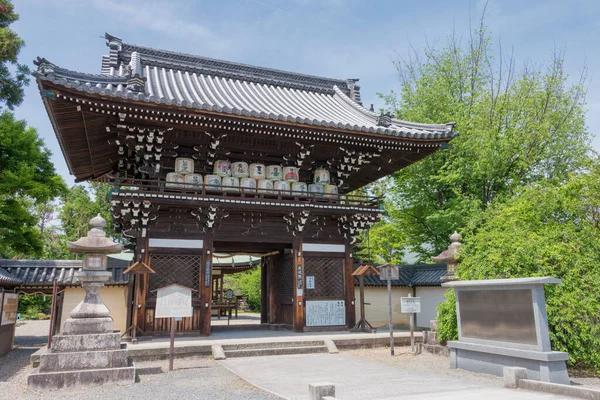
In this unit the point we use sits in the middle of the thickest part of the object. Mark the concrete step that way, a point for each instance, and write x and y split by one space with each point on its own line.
275 351
267 345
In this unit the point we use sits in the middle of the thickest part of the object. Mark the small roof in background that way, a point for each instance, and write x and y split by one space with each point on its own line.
411 275
8 280
40 274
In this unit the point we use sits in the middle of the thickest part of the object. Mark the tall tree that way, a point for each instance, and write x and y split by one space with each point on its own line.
79 206
553 230
13 76
516 128
27 179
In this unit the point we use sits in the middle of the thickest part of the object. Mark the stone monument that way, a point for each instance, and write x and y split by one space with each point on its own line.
88 351
503 323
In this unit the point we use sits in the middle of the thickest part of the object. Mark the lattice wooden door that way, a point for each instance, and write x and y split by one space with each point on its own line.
329 277
181 269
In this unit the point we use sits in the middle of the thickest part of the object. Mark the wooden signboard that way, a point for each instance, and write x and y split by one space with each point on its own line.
173 301
10 308
326 313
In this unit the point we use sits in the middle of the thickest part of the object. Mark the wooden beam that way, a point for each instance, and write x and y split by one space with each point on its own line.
349 288
298 279
206 286
264 304
273 282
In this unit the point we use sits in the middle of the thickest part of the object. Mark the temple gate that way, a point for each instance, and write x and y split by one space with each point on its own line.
208 155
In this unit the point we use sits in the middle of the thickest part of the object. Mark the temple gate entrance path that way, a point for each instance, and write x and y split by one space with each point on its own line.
288 376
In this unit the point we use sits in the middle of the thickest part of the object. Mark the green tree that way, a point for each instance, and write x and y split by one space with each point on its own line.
80 205
553 230
383 243
13 76
248 284
27 180
516 128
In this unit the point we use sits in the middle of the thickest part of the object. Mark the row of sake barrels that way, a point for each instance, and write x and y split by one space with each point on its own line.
241 169
230 183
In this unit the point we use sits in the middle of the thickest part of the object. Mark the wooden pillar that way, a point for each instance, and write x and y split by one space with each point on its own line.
349 287
206 287
221 289
264 304
273 282
298 306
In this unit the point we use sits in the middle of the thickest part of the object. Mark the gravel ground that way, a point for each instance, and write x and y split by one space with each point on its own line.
427 362
198 378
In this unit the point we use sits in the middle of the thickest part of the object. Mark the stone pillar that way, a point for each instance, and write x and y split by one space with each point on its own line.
89 351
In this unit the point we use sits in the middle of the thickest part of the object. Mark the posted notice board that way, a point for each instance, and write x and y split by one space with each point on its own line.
10 308
325 312
173 301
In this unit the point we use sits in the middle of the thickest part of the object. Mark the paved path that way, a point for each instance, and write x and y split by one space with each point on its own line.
356 378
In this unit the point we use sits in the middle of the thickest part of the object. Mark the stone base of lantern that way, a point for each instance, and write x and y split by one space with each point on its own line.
83 360
83 326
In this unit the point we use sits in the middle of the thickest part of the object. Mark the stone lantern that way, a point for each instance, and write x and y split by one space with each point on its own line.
88 351
450 257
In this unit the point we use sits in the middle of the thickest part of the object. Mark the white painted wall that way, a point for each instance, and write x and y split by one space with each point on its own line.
377 311
430 298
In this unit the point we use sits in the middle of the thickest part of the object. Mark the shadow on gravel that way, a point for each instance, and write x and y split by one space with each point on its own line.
14 361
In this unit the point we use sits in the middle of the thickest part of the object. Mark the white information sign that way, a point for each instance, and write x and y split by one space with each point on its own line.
325 312
409 305
310 282
173 301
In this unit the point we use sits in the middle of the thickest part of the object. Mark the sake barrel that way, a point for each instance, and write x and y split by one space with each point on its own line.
193 179
184 165
291 174
212 181
322 176
331 190
222 168
274 172
316 188
299 187
175 180
239 169
282 186
248 184
230 184
265 186
257 171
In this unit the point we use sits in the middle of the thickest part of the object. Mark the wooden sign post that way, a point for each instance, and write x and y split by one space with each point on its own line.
362 271
389 272
175 302
411 305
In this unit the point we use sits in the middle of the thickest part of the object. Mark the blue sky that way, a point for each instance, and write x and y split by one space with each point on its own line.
334 38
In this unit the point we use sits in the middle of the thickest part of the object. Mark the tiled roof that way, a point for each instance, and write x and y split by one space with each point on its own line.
158 76
41 273
411 275
8 280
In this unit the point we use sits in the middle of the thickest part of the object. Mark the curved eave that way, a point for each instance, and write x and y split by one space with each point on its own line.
117 88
